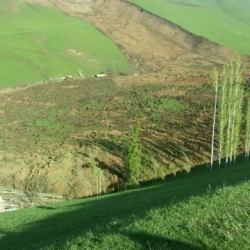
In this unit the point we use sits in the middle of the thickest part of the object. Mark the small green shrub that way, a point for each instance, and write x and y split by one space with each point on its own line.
134 158
167 104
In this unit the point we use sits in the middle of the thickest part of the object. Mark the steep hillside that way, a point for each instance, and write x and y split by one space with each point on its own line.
148 41
65 137
48 131
52 133
226 22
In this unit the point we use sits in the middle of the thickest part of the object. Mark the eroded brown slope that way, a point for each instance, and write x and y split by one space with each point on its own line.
148 41
47 131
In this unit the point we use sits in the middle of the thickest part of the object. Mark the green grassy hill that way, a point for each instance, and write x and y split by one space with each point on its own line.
38 43
189 211
226 22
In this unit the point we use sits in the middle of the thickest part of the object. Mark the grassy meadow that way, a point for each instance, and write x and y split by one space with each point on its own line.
226 22
38 43
200 210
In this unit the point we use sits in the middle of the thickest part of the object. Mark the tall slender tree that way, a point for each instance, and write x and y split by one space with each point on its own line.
222 112
230 89
215 77
247 131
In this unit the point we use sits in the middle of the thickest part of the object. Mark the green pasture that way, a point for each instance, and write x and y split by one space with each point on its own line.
38 43
200 210
226 22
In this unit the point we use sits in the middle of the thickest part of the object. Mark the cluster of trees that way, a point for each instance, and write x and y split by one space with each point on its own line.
231 121
231 125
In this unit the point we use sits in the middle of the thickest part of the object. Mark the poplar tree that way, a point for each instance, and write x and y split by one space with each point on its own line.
230 89
222 113
215 78
247 131
235 109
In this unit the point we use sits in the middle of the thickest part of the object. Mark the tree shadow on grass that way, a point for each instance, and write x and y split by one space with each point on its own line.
41 227
148 241
173 150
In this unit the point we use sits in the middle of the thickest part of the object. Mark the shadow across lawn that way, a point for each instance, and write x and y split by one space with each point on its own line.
148 241
41 227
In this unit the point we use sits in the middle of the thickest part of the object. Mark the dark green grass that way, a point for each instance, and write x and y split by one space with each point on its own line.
188 211
39 42
226 22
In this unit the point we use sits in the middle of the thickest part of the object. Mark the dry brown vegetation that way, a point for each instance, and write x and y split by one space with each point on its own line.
48 129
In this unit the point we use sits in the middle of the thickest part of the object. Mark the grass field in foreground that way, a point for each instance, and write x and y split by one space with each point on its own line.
200 210
38 42
226 22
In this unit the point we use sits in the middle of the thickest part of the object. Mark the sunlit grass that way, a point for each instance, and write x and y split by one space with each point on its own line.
200 210
224 22
38 43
